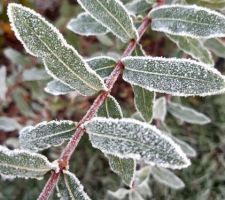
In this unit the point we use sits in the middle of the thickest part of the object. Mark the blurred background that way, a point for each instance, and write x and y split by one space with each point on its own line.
23 102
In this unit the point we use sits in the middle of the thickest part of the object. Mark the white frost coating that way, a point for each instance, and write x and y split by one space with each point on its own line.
108 19
85 25
187 114
215 26
163 75
129 138
58 88
167 178
159 109
80 82
20 163
70 188
46 134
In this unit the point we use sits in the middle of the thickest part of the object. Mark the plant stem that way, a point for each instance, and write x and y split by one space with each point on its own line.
71 146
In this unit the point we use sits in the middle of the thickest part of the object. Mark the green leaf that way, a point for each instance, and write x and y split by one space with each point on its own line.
113 15
216 46
159 109
193 47
70 188
128 138
121 194
143 99
61 60
84 24
185 20
19 163
102 65
110 108
187 114
167 178
58 88
134 195
35 74
9 124
137 6
46 134
213 4
3 86
124 167
180 77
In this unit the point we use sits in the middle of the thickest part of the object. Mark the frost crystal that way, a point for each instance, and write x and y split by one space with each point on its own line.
19 163
61 60
113 15
46 134
128 138
179 77
193 21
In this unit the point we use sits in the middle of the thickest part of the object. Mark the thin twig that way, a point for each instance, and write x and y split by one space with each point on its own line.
71 146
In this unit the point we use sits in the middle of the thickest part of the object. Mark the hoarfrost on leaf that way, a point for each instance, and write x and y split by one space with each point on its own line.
46 134
179 77
61 60
9 124
137 7
128 138
20 163
167 178
134 195
188 20
113 15
84 24
187 114
70 188
159 109
55 87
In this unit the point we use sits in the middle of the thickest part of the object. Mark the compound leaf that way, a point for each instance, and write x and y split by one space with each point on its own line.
129 138
193 47
167 178
19 163
61 60
46 134
180 77
187 114
185 20
113 15
84 24
70 188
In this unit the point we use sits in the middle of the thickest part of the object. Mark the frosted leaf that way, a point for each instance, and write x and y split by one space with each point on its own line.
137 6
150 1
159 109
61 60
144 189
180 77
84 24
113 15
119 194
35 74
9 124
134 195
143 99
15 57
186 148
213 4
187 114
137 116
138 51
58 88
216 46
46 134
3 86
124 167
128 138
102 65
193 47
110 108
188 20
70 188
167 178
19 163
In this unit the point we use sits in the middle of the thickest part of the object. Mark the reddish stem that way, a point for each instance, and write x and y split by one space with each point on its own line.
71 146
